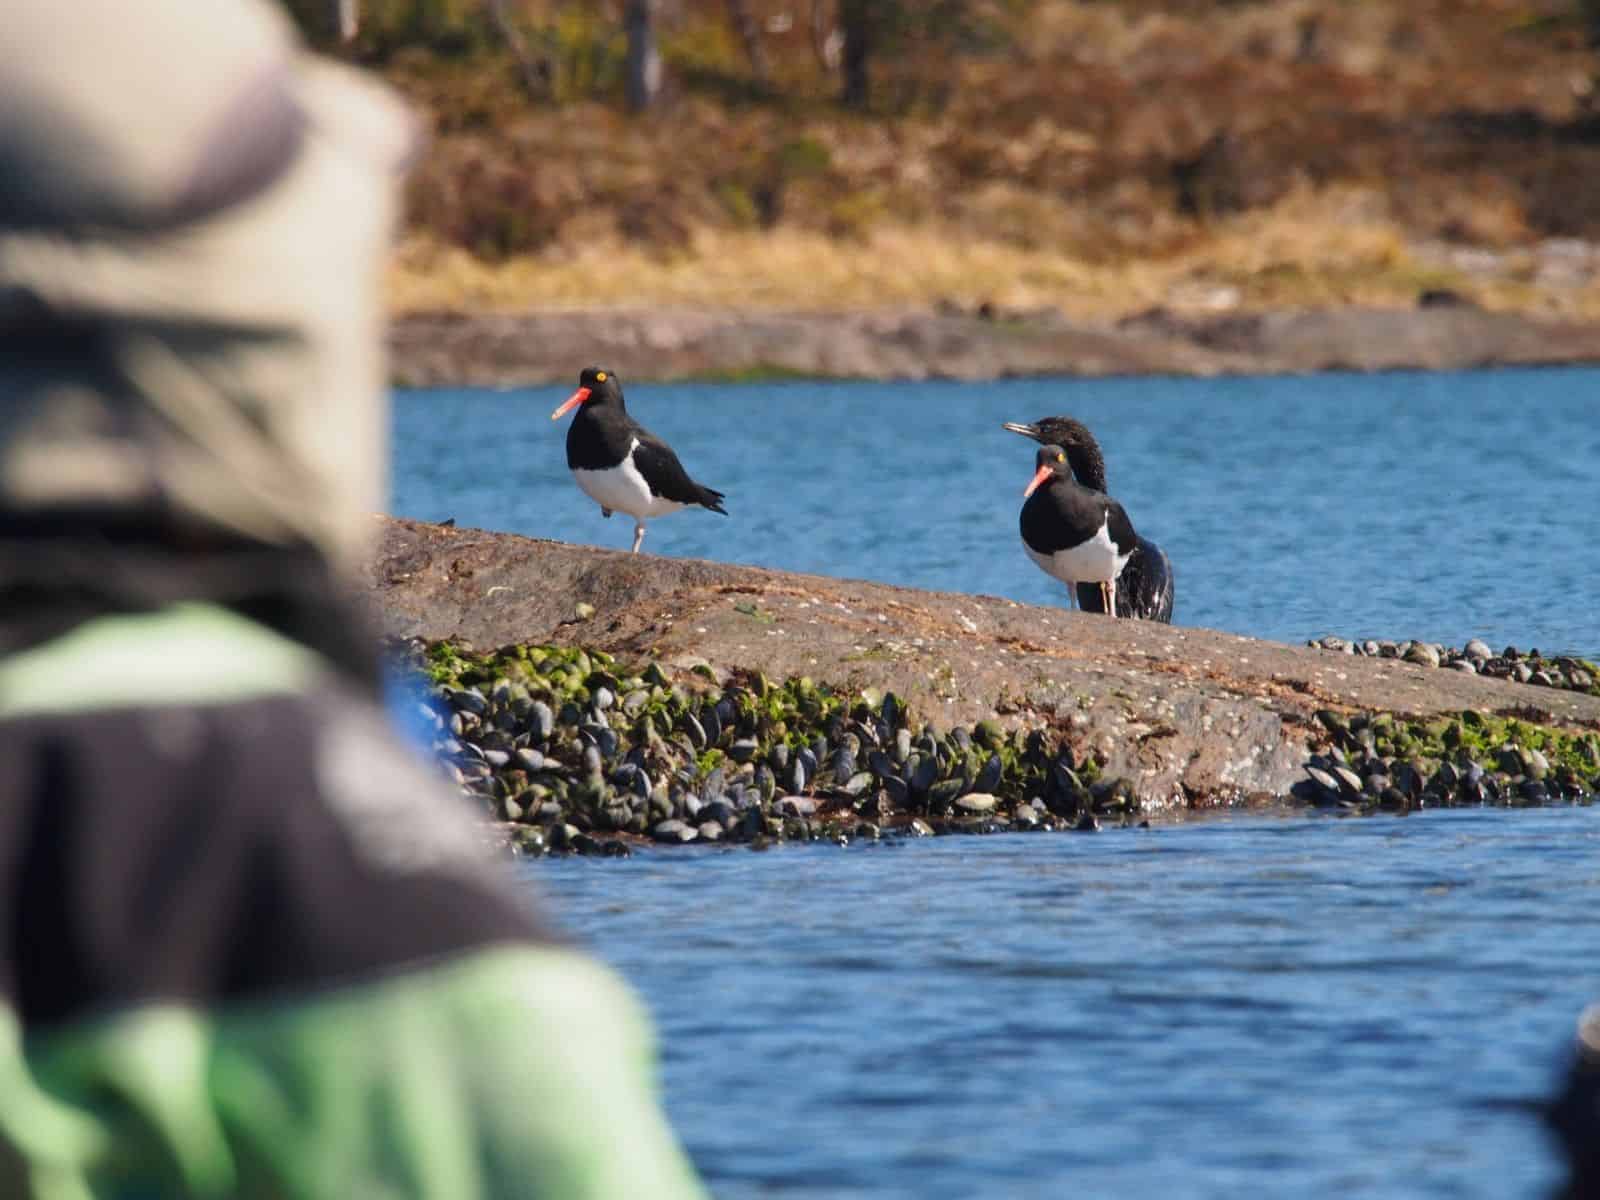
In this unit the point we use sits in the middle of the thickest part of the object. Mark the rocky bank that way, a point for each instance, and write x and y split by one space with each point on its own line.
713 666
498 350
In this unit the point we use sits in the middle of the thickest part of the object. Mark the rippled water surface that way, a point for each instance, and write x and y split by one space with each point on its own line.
1242 1007
1400 505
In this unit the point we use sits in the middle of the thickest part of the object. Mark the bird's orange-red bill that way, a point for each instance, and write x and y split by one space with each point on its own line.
572 402
1042 474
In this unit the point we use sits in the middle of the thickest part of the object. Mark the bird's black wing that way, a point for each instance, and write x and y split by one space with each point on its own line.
1120 528
666 476
1147 583
1144 589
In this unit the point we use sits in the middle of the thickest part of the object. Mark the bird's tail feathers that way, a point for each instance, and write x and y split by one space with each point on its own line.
712 499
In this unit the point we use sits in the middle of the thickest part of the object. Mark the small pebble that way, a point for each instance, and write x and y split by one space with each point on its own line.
674 831
471 700
1423 654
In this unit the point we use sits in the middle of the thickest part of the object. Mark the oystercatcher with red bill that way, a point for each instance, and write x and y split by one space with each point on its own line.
1145 587
1074 534
620 464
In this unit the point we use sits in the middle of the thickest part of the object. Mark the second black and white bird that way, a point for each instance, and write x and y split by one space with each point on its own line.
1145 587
620 464
1072 533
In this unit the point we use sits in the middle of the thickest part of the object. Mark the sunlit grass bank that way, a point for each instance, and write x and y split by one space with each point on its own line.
1310 250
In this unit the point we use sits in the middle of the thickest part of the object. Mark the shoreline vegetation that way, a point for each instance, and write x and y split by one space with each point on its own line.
589 700
1082 165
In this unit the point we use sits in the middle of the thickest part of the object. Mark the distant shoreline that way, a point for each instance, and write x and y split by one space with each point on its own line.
507 350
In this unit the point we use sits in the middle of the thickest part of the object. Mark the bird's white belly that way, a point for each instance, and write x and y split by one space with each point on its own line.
622 489
1093 561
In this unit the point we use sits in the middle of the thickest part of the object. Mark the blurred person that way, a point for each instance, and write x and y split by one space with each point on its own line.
1573 1115
250 945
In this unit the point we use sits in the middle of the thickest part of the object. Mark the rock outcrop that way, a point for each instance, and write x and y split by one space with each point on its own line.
1190 717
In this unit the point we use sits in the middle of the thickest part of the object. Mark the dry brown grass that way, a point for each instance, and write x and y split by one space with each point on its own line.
1311 249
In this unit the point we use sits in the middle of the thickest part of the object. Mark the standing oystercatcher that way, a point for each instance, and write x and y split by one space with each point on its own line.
1077 535
1145 588
621 464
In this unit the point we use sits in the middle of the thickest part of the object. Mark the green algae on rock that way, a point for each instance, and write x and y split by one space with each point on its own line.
574 751
1380 761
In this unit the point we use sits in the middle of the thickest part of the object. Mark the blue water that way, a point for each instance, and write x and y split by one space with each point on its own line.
1243 1007
1286 1007
1440 506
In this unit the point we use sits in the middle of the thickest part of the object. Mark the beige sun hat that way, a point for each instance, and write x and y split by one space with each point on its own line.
194 216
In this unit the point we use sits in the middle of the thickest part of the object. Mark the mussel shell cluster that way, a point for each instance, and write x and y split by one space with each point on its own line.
574 754
1476 658
1377 761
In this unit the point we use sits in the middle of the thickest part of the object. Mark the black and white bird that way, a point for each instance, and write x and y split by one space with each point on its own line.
1077 535
620 464
1145 588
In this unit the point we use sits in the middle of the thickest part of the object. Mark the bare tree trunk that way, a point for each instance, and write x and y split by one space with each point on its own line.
536 73
825 36
856 18
346 18
750 34
819 31
644 58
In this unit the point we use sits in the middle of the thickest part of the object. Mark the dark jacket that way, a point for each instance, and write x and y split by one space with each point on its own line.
253 946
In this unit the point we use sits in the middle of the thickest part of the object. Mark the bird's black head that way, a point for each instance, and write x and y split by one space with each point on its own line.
1073 436
596 385
1052 464
1053 431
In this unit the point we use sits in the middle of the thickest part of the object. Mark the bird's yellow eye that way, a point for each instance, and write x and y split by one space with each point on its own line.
599 376
1059 457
